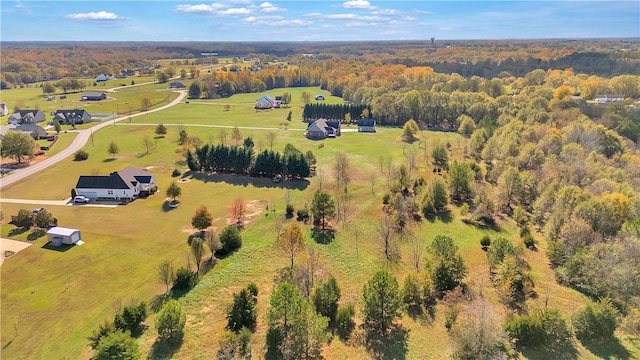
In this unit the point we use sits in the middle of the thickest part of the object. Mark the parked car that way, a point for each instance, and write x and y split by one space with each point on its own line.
81 199
277 178
37 210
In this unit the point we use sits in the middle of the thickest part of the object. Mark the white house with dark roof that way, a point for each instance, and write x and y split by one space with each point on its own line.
322 128
366 125
124 185
607 98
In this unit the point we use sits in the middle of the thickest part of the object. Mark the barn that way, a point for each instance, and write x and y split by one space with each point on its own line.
60 235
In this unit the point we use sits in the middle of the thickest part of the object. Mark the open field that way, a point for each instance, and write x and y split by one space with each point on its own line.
70 292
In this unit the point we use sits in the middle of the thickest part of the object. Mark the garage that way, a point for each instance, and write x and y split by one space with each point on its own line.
60 235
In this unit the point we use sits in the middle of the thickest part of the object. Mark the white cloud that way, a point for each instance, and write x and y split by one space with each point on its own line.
97 16
409 18
385 12
275 21
358 4
267 7
343 17
234 11
200 8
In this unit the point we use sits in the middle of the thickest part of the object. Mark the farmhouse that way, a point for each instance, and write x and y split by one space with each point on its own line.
607 98
93 96
104 77
75 116
60 235
176 85
27 117
322 128
319 97
124 185
366 125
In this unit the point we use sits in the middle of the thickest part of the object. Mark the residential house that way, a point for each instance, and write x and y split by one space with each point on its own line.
104 77
3 110
265 102
68 117
607 98
319 97
124 185
36 131
176 85
366 125
321 129
278 101
27 117
93 96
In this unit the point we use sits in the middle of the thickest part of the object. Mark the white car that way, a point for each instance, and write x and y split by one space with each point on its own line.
81 199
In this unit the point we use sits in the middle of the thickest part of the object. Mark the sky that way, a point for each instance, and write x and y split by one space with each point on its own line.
302 20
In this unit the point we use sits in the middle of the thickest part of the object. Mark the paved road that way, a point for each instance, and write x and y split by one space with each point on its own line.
65 202
78 143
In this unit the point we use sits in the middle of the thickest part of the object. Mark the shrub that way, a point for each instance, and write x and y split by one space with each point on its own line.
170 322
597 321
520 215
289 211
344 321
529 242
485 242
545 327
24 219
185 279
411 292
131 317
231 240
386 199
303 214
253 289
176 172
80 155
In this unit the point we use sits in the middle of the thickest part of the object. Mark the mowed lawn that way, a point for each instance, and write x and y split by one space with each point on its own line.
69 293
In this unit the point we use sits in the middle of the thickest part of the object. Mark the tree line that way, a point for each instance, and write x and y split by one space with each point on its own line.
241 160
342 112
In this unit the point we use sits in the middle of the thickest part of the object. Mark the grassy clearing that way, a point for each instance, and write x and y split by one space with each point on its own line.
52 289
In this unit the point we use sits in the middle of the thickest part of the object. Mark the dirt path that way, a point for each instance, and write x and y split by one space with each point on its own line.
11 245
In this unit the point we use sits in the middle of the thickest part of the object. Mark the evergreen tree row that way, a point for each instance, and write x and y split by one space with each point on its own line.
221 158
335 111
240 160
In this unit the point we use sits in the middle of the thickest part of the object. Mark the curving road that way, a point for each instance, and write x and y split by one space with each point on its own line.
78 143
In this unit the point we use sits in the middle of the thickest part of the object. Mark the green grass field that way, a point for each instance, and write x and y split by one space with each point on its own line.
70 292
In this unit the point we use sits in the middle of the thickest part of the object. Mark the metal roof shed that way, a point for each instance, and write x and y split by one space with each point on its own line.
60 235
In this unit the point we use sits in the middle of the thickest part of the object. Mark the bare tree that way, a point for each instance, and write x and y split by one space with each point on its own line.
385 230
343 202
146 142
411 154
166 274
342 171
236 135
278 221
197 250
213 241
271 137
372 179
222 136
320 175
417 248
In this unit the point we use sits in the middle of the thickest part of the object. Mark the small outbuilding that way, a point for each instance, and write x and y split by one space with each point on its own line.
60 235
319 97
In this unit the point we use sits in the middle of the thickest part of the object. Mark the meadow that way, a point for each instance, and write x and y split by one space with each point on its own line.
70 292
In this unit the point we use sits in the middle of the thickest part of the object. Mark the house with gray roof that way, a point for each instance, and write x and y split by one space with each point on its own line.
93 96
34 130
75 116
27 117
124 185
366 125
321 129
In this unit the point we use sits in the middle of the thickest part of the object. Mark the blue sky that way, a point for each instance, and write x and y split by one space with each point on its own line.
246 20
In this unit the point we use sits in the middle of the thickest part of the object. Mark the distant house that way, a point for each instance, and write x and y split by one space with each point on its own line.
176 85
68 117
607 98
265 102
321 129
278 101
127 72
319 97
366 125
3 110
36 131
125 185
60 235
104 77
27 117
93 96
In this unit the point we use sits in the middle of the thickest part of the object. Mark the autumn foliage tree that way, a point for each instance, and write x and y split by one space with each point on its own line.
291 241
238 210
202 219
